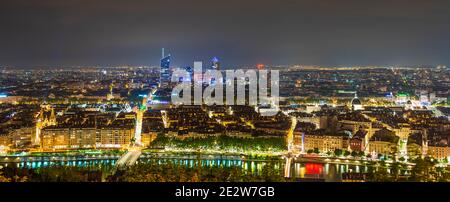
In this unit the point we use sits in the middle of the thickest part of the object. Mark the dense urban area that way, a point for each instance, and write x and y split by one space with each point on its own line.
117 124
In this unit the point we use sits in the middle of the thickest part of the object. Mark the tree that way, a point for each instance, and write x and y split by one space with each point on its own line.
354 153
446 176
310 151
378 174
3 178
395 168
316 151
346 153
15 178
20 179
195 178
425 171
271 175
361 153
338 152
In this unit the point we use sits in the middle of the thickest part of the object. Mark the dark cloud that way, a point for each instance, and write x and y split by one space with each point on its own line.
110 32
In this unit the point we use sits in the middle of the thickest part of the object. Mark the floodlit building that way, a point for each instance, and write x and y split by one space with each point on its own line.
439 152
356 104
325 143
54 138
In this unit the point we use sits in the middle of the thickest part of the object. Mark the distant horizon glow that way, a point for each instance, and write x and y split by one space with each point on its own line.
327 33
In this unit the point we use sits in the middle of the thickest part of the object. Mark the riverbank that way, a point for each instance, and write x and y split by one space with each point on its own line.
183 154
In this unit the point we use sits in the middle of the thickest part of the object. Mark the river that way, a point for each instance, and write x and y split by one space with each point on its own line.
301 170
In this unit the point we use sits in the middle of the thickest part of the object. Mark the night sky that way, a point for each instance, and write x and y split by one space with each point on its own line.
238 32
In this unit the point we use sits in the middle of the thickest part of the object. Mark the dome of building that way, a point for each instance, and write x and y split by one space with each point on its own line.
356 101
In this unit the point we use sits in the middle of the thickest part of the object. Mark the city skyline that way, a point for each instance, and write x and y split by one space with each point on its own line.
326 33
224 91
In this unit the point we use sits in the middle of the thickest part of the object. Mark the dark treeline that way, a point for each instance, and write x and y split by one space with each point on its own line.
222 142
170 172
54 174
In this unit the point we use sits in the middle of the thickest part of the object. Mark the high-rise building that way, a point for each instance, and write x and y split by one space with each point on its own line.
164 80
215 64
190 70
260 66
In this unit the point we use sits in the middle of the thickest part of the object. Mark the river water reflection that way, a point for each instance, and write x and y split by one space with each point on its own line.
300 170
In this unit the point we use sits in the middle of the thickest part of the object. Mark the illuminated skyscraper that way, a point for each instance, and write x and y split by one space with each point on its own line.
190 70
165 70
215 64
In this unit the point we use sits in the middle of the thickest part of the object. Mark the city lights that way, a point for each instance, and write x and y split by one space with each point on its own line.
264 98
